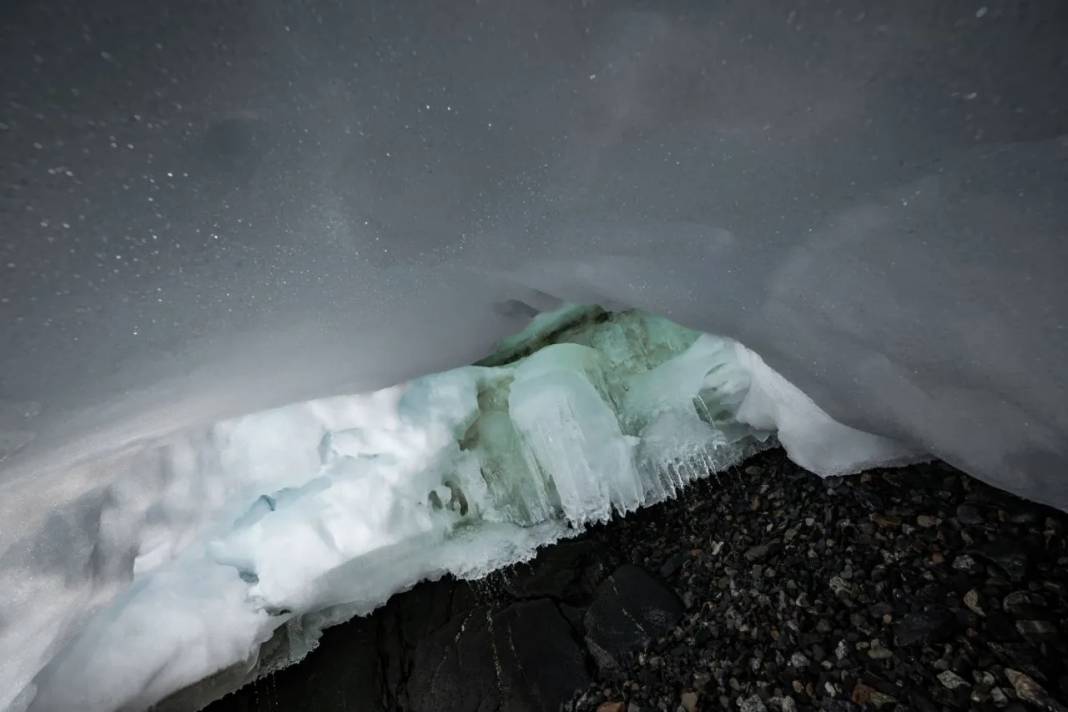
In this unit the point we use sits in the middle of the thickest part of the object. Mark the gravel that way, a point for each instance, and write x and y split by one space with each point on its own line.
911 589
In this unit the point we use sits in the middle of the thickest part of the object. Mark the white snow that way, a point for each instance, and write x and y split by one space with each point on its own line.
303 516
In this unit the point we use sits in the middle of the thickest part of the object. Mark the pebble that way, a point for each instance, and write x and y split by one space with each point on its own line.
969 514
965 563
752 703
1030 691
864 695
853 596
998 697
878 652
951 680
1023 603
971 600
839 586
1037 631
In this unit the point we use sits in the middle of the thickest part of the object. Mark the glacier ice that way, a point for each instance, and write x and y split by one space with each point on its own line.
274 525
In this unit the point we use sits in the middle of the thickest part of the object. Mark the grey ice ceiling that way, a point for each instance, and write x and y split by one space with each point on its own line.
252 202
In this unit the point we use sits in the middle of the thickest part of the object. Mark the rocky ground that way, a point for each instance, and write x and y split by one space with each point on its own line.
766 588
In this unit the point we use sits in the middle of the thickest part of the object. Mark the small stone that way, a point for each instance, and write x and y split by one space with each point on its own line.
1008 555
997 696
951 680
1023 604
924 627
839 586
757 552
840 650
880 699
969 514
926 521
861 694
878 652
688 701
799 661
865 695
1030 691
884 522
937 558
971 600
672 565
752 703
965 563
1037 631
612 707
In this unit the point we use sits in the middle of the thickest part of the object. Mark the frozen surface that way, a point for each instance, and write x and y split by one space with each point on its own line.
273 525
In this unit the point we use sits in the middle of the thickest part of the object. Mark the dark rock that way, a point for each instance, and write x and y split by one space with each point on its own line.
568 571
933 625
1030 691
969 514
1037 631
629 611
1000 628
758 552
521 658
752 703
672 565
1023 604
921 702
951 680
1008 555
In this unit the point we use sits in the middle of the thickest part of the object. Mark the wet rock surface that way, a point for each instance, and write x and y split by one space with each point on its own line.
766 588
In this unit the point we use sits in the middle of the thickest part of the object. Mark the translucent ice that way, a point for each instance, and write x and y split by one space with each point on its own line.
300 517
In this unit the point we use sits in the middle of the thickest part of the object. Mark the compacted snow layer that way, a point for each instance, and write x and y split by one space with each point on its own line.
277 524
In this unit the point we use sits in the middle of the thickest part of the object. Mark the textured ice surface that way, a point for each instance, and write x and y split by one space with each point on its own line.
282 522
870 196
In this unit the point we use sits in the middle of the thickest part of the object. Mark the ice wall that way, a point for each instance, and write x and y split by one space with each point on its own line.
274 525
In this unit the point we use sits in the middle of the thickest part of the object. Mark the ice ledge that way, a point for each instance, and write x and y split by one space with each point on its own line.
275 525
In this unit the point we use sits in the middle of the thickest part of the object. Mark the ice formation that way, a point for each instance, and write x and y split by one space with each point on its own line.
212 214
271 526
